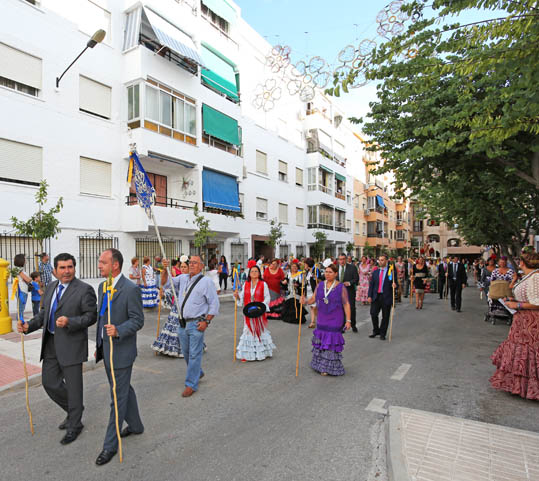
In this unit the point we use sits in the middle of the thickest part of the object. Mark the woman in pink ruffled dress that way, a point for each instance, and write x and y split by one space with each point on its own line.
517 358
364 278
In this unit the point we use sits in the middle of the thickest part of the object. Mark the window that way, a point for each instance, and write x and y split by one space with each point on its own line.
357 231
356 201
212 17
284 251
326 215
133 102
311 178
300 216
371 203
261 162
20 163
94 97
283 213
20 71
348 225
169 110
261 209
159 183
95 177
313 214
283 171
371 229
299 177
242 203
348 198
364 228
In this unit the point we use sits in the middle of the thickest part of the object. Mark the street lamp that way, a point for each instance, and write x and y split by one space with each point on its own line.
97 37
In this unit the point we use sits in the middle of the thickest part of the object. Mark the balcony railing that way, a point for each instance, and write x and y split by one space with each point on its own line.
342 229
340 196
160 201
319 226
374 234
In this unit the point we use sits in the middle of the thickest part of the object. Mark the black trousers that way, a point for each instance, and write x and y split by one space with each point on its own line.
376 306
456 294
63 384
441 286
223 278
127 407
352 301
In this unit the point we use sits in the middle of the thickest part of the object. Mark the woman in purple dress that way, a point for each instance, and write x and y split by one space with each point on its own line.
333 309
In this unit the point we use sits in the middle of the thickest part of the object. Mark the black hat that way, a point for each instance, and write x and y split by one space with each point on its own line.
254 309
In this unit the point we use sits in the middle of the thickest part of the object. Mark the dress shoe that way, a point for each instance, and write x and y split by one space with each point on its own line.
382 338
71 436
188 391
126 432
458 310
354 329
63 425
452 308
104 457
373 335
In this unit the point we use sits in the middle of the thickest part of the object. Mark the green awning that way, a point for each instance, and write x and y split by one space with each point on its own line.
222 8
219 125
340 177
323 167
219 72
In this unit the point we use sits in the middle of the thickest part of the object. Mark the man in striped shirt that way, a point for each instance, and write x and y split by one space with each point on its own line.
45 270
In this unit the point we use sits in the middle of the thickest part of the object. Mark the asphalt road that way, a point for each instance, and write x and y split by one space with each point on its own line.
257 420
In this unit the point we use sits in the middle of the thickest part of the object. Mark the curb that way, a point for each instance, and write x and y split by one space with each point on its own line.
35 379
396 466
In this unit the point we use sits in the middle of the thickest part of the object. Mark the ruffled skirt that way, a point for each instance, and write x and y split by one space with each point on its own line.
326 360
168 341
276 306
251 348
517 358
150 295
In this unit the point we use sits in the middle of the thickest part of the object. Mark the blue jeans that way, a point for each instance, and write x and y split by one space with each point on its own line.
192 344
23 297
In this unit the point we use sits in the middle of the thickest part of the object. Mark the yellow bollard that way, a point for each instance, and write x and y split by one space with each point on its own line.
5 320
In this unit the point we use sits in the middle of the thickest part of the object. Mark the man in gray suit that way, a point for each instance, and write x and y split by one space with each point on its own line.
126 317
69 307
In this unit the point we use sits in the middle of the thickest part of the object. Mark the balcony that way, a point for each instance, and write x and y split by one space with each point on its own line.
131 199
342 229
319 226
374 234
322 188
340 196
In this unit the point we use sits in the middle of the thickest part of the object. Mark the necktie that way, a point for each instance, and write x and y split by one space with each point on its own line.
52 320
101 320
342 274
380 281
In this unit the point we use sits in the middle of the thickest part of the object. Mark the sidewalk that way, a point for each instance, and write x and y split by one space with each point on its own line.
425 446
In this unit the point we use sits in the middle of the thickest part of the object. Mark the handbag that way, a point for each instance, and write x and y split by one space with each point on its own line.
499 289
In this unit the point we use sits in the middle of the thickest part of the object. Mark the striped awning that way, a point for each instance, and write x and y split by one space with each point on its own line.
172 37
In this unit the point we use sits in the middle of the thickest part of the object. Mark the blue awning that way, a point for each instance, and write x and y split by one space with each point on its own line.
172 37
220 191
380 201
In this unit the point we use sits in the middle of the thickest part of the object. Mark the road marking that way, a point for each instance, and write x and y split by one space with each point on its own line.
399 374
377 406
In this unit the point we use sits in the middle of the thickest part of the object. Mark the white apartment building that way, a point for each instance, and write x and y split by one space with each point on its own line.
176 79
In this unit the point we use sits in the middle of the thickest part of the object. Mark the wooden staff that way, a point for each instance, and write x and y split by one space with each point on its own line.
110 291
25 369
234 276
299 325
159 316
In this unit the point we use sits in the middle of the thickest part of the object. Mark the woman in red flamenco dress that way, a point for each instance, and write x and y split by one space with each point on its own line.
517 358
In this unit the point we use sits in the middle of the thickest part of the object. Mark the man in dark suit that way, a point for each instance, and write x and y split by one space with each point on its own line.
349 276
456 274
126 318
69 307
381 297
442 274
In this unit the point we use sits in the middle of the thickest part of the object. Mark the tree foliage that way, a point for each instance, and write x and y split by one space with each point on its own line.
203 232
275 234
458 121
43 224
319 244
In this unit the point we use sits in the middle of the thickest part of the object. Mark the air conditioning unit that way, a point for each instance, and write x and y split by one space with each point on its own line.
261 216
399 222
366 211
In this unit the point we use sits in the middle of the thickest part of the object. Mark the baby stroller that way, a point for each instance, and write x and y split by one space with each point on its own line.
496 311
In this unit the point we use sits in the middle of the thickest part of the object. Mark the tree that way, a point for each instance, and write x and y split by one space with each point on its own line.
350 247
203 232
368 250
319 244
458 121
43 224
275 234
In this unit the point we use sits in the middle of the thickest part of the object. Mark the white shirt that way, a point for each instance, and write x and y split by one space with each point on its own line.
58 295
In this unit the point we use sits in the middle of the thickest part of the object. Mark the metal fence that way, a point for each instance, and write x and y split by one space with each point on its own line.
12 244
90 248
149 247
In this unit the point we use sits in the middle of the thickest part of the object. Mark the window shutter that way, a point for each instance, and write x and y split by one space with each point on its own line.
95 177
94 97
299 216
261 205
261 162
283 213
299 176
20 161
20 67
283 167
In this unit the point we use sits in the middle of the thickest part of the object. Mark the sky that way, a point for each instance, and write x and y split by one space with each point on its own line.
322 28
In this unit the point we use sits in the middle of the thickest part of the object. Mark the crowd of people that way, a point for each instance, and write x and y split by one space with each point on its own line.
288 289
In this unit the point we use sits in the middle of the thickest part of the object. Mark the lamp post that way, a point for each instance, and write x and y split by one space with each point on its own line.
97 37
